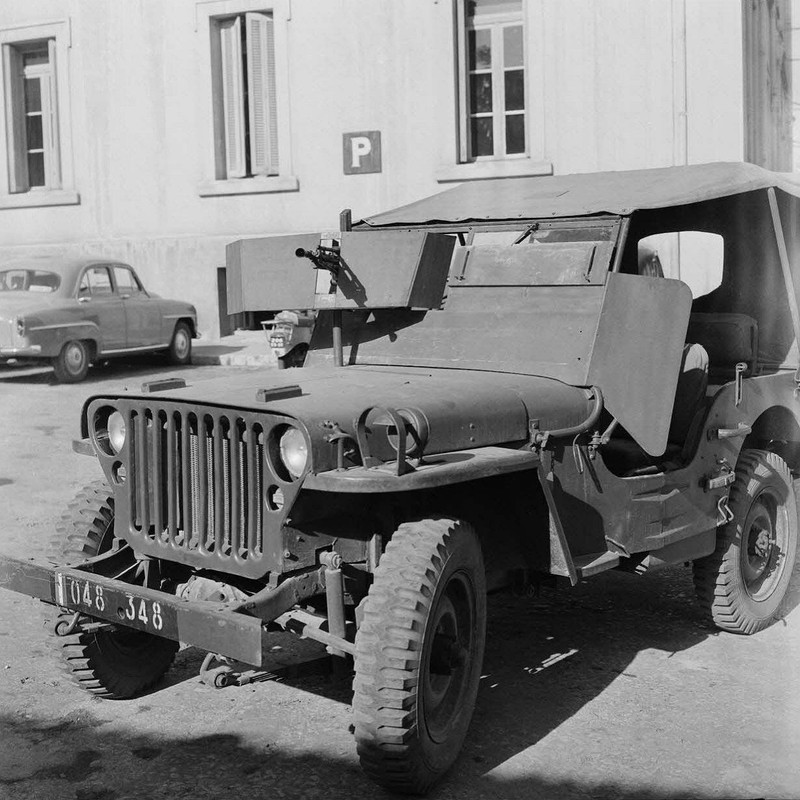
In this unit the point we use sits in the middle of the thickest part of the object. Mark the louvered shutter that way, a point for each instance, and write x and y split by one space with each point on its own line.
15 119
51 129
261 85
461 60
230 34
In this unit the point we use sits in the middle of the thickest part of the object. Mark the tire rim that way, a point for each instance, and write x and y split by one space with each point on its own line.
764 540
446 660
74 358
181 345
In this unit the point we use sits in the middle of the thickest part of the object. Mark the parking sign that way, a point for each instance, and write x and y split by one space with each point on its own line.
361 152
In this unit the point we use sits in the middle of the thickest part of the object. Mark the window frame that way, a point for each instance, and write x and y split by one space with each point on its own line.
455 164
208 13
137 286
495 24
59 190
85 275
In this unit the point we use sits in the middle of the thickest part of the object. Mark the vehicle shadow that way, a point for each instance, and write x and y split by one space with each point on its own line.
100 765
548 656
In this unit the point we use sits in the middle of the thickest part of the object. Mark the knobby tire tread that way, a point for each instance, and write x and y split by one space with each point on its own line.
79 536
389 652
717 576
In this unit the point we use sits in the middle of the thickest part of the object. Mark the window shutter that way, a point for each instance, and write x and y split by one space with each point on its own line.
15 120
230 33
462 78
261 84
52 147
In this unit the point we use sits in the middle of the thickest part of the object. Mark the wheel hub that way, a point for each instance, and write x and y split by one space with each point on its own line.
763 541
446 669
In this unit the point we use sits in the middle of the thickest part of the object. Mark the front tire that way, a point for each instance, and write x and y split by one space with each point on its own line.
744 582
180 348
112 664
72 363
419 654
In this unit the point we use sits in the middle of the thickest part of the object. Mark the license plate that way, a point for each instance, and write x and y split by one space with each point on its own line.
115 605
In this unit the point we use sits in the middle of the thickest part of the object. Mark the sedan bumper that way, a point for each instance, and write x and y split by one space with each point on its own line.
30 351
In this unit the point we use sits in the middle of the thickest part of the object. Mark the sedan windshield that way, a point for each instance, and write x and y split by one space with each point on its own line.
28 280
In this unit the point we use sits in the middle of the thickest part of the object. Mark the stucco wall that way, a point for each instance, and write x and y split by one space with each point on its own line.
612 84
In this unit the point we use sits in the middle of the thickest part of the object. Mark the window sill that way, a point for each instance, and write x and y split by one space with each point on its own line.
278 183
484 170
34 199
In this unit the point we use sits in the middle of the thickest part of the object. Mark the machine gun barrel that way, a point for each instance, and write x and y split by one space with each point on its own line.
322 258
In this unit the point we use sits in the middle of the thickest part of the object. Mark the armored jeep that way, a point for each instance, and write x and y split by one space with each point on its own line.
508 381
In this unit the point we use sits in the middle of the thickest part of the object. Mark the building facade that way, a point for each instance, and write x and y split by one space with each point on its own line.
157 132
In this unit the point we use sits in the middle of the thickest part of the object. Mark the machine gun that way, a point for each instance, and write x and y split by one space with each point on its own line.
328 258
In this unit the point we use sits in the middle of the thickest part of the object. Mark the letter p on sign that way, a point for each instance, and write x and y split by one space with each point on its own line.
361 152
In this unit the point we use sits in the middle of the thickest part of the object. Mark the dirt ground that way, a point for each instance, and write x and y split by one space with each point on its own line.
615 689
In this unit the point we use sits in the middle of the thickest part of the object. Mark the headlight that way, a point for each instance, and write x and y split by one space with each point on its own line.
20 326
116 431
294 451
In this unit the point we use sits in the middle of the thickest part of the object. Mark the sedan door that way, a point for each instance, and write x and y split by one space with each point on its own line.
142 312
100 304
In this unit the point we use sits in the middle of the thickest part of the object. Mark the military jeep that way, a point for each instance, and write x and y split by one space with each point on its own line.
507 382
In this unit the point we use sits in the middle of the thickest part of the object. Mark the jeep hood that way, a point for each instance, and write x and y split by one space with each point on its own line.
461 409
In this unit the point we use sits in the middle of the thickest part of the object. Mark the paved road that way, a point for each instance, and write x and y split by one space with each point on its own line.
617 688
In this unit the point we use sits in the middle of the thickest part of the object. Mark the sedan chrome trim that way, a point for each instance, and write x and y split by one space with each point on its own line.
134 349
56 325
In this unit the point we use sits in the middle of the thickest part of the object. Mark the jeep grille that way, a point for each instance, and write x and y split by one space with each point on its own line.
196 486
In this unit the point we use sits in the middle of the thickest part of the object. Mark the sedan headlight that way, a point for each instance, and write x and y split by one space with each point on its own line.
20 326
294 451
116 431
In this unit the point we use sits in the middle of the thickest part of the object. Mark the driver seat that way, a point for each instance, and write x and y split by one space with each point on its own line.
625 457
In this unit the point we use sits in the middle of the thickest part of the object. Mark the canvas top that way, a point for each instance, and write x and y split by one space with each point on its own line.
586 194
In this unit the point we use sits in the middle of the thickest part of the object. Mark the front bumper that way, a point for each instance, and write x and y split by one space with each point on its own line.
216 627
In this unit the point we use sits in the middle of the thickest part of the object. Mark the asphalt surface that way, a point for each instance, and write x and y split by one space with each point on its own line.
615 689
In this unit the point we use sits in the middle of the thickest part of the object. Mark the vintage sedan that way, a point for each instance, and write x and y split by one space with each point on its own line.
72 312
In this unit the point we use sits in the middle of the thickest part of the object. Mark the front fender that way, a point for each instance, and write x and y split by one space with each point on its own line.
443 469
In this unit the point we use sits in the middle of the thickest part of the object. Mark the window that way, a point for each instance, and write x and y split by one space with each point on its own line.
28 280
96 282
492 72
244 46
34 135
33 117
695 257
127 283
245 100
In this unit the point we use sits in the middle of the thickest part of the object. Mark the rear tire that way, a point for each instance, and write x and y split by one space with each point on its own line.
419 654
180 348
72 363
743 584
113 664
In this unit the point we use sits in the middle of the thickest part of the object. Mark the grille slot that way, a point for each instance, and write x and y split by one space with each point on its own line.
196 481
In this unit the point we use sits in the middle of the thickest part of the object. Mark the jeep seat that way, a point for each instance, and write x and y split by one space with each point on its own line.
729 339
623 456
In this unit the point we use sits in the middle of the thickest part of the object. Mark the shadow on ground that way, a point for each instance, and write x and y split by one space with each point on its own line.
547 657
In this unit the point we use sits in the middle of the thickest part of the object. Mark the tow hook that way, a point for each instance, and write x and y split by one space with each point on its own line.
64 628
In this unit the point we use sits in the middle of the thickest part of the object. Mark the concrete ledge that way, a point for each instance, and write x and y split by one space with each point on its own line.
243 349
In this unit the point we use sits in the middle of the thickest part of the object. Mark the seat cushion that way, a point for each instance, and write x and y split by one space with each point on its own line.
728 340
690 391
